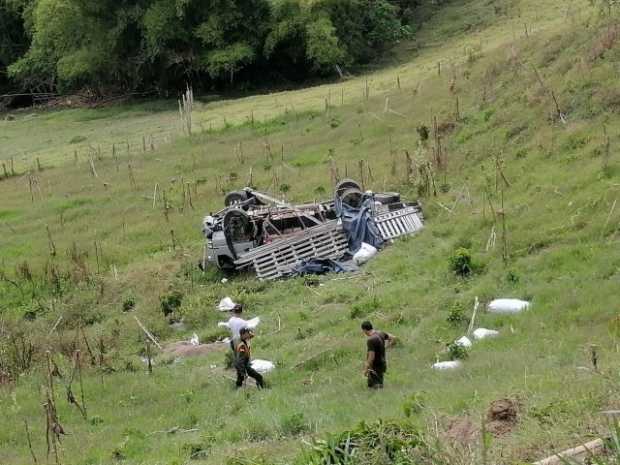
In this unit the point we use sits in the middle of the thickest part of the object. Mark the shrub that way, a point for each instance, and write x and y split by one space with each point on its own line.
129 303
461 262
171 302
364 307
457 315
377 443
413 404
457 352
294 424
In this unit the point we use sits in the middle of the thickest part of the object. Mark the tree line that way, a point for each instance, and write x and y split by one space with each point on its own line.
126 45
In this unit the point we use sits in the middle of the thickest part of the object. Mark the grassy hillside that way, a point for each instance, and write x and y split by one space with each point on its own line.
556 245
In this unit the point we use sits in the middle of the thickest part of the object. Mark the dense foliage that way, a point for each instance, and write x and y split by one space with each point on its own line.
103 45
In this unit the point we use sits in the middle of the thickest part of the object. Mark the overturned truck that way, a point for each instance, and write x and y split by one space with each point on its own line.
272 237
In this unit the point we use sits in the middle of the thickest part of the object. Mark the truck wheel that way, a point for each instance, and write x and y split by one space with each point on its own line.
352 197
235 197
345 184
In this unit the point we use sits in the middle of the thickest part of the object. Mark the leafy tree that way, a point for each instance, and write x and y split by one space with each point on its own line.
13 38
114 45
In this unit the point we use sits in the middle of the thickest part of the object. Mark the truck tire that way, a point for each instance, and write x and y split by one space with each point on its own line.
352 197
235 197
345 184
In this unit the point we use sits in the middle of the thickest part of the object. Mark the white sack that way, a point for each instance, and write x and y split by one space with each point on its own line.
452 365
195 341
483 333
508 306
253 323
464 342
226 305
364 254
262 366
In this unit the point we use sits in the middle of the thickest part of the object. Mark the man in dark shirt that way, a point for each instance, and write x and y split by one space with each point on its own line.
376 365
244 358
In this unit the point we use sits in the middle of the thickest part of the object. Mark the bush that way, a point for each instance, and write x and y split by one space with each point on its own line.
461 262
364 307
457 315
457 352
129 303
413 404
171 302
294 424
376 443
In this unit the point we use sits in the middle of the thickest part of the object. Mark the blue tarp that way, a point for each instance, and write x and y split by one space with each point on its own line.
358 224
323 266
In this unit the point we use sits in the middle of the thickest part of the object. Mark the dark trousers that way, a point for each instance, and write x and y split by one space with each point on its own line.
375 379
244 369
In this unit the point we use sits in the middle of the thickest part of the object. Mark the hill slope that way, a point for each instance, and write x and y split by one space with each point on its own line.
557 245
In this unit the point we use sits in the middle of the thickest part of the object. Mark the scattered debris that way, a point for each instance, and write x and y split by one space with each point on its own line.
270 236
319 266
262 366
508 306
502 417
175 430
483 333
226 305
364 254
464 342
581 454
250 324
450 365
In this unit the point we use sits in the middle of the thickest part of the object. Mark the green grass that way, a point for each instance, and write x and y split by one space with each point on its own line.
562 238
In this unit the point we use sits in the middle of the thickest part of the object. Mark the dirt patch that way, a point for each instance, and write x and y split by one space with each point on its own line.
462 430
184 349
502 417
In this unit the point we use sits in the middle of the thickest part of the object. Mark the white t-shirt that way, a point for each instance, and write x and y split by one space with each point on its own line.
235 324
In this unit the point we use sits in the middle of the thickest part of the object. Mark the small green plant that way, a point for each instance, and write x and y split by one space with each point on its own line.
196 450
334 122
77 139
171 302
364 307
293 424
457 352
461 262
95 420
229 359
413 404
129 303
457 316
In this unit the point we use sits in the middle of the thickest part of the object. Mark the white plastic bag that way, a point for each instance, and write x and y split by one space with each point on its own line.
250 324
508 306
226 305
364 254
483 333
464 342
452 365
253 323
195 341
262 366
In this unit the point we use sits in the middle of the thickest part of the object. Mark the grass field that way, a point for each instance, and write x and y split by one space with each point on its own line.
110 244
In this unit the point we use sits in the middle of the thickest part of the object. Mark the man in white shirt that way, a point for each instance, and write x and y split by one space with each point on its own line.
235 323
